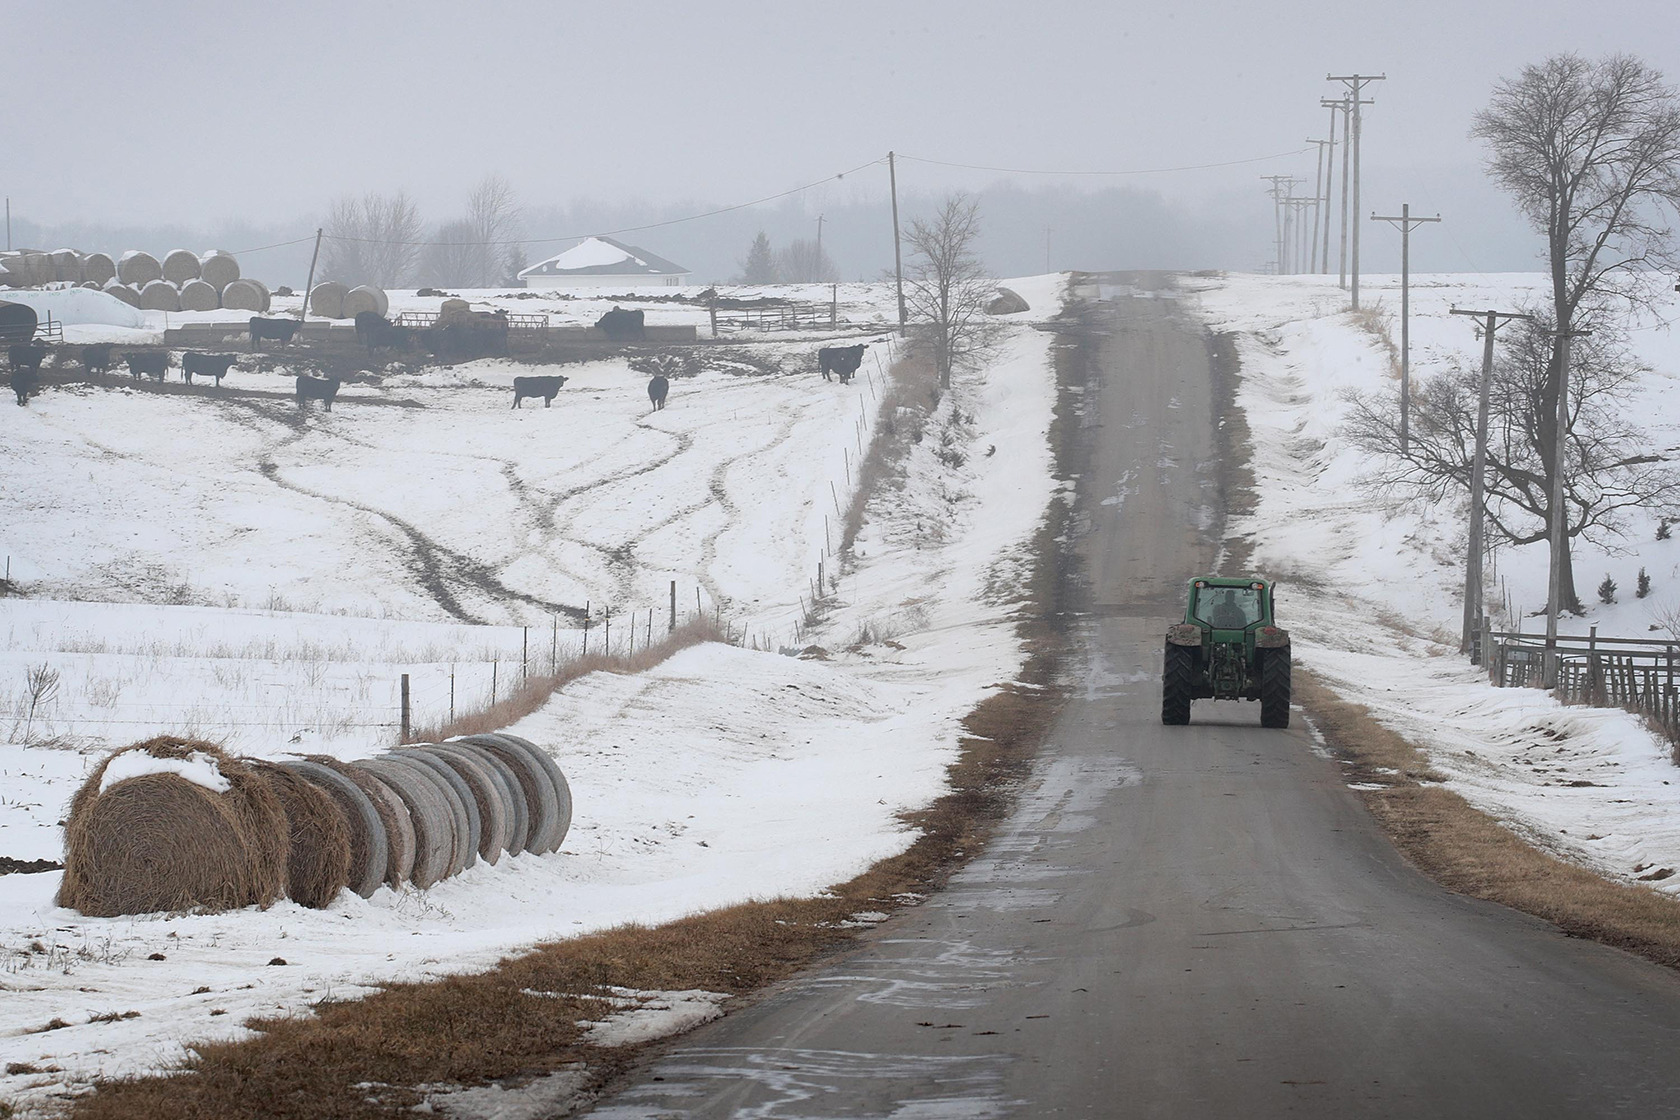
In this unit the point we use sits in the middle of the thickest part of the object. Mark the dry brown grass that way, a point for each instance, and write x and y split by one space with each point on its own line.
1467 851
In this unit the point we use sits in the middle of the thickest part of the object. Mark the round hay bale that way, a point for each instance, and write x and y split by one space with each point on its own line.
162 842
393 815
179 266
541 804
122 291
67 265
365 298
462 804
513 795
244 295
218 268
562 790
99 268
434 823
40 268
489 797
318 849
196 295
138 269
369 849
327 299
160 295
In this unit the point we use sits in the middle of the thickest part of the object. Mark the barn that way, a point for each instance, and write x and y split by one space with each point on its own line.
601 262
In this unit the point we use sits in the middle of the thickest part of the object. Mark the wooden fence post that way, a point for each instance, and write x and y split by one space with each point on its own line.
406 720
673 606
524 654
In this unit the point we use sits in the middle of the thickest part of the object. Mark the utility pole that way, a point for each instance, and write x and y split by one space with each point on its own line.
1277 192
1330 174
1560 538
1047 232
1321 192
1356 83
898 255
819 244
1478 477
8 223
1404 224
303 312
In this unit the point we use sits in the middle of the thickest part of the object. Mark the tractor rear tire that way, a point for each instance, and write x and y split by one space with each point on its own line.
1274 688
1178 673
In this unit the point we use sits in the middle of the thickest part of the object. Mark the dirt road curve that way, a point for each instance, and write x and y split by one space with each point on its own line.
1183 922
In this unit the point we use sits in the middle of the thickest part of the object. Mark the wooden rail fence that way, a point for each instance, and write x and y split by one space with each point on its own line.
1637 674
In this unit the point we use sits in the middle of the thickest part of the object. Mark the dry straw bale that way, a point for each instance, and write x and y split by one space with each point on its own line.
542 801
160 295
99 268
40 268
218 268
562 791
244 295
369 849
138 269
327 299
462 804
124 292
159 842
318 850
428 810
179 266
513 795
67 265
196 295
393 815
365 297
489 798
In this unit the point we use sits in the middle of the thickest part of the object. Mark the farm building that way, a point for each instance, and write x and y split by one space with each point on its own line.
601 262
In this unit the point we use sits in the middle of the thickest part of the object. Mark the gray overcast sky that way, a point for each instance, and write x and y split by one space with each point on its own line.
159 112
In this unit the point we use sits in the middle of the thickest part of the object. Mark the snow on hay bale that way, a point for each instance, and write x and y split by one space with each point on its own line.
160 295
196 295
327 299
179 266
245 295
138 268
172 824
218 268
428 810
124 292
490 794
67 265
365 297
548 800
318 838
462 806
368 849
393 816
513 795
99 268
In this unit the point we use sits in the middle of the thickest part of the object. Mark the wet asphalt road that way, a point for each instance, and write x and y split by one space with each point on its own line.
1182 922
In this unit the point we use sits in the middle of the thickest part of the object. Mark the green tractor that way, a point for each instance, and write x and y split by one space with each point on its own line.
1227 648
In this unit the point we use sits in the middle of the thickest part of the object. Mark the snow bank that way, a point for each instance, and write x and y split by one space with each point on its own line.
78 307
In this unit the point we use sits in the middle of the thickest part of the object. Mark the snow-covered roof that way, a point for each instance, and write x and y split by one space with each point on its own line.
602 256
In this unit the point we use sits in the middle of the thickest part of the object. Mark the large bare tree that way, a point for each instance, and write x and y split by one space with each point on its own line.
945 285
494 212
373 239
805 262
1590 151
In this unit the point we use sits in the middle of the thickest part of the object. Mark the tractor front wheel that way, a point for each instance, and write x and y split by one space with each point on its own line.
1177 677
1274 688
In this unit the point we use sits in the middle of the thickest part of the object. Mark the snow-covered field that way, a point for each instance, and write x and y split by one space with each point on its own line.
720 776
1593 785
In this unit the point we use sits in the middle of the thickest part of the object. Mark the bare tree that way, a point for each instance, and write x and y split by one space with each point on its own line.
453 258
945 285
804 262
759 267
372 240
495 215
1609 470
1590 151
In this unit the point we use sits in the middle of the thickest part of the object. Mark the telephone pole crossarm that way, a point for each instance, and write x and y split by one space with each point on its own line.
1405 223
1355 84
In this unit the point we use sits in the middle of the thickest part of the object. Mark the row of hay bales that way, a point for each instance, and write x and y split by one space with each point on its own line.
243 294
195 828
181 281
332 300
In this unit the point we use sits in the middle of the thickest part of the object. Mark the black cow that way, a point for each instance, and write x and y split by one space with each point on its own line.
143 363
26 356
97 359
622 326
657 388
322 389
376 332
841 360
25 380
281 330
544 387
206 365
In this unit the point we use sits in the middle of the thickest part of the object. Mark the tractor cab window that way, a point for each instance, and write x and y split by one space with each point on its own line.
1228 608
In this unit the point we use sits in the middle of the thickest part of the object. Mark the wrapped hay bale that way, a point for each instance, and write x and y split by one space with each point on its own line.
179 266
67 266
124 292
542 784
365 297
244 295
99 268
327 299
495 822
172 824
369 851
160 295
468 824
513 795
138 269
318 837
1006 302
218 268
393 817
434 822
196 295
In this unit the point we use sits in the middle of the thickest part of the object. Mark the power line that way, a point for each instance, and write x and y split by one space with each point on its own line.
1134 171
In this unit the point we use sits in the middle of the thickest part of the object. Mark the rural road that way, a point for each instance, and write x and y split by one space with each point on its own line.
1182 922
